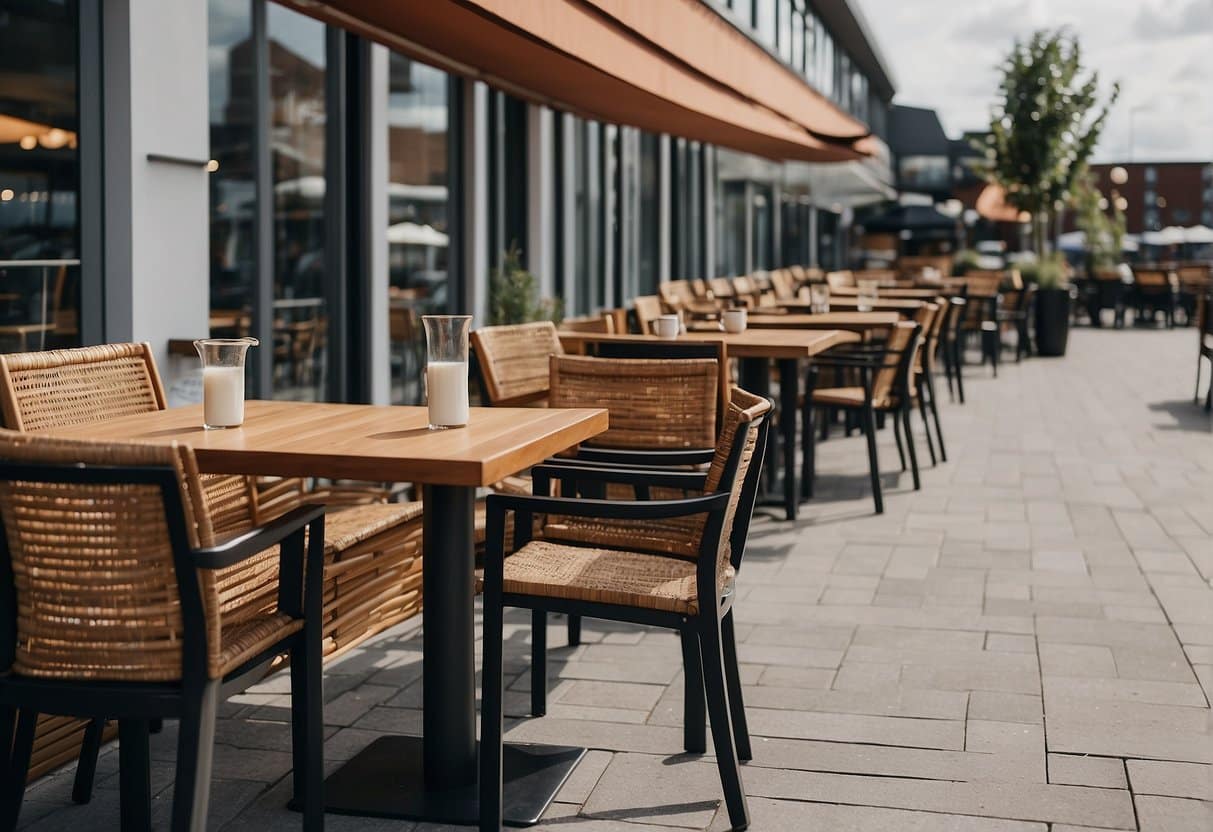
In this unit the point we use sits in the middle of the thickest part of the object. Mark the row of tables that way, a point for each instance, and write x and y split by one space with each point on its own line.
433 777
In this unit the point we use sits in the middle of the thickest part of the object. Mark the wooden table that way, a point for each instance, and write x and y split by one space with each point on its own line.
911 294
861 322
850 303
754 349
403 777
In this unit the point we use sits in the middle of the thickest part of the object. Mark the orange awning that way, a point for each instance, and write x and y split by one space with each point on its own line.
992 204
671 67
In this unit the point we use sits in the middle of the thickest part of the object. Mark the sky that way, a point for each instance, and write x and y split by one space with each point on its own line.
944 55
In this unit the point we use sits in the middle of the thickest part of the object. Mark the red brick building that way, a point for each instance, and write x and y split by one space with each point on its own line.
1159 194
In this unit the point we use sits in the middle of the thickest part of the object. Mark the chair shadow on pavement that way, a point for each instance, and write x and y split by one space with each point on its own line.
1185 415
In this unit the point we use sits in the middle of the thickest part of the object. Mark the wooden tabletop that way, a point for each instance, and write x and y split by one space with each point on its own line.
753 343
853 321
851 302
364 442
911 294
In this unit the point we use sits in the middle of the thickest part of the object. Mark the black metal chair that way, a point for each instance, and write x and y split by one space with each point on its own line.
951 347
1015 312
1204 317
885 371
667 563
117 602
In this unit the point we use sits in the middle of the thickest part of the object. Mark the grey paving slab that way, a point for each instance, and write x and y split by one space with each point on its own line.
1024 645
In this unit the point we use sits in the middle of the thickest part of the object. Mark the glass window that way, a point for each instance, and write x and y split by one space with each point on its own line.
1151 174
418 235
810 48
587 217
923 171
798 42
648 217
233 198
785 30
302 302
762 205
39 176
764 22
730 228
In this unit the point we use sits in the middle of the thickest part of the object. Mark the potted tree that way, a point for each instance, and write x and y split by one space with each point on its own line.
514 294
1043 129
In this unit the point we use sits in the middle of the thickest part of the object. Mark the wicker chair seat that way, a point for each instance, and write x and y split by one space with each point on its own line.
240 643
606 576
848 397
348 527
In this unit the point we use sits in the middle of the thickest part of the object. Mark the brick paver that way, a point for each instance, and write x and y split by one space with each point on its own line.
1024 645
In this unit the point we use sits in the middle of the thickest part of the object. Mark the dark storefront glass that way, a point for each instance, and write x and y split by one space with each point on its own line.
297 134
763 233
233 198
648 217
418 234
587 217
39 176
730 229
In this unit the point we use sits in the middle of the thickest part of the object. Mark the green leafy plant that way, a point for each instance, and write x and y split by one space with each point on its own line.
1104 230
514 294
1044 126
965 260
1049 272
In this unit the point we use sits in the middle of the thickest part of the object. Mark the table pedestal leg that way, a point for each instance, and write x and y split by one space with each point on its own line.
434 778
754 375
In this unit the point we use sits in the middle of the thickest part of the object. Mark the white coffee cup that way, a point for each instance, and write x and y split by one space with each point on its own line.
667 326
734 320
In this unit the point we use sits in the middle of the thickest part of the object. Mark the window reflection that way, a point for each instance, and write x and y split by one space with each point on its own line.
39 176
418 230
297 136
587 217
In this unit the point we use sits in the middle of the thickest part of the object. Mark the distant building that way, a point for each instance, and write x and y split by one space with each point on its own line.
1160 194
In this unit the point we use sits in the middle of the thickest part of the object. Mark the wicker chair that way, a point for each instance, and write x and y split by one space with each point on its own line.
647 308
951 345
512 362
922 389
372 552
1153 291
886 383
121 601
840 280
668 563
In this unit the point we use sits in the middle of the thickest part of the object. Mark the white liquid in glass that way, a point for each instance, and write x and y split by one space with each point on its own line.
223 397
447 384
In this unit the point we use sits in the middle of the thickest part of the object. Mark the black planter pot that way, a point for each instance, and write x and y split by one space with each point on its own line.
1053 320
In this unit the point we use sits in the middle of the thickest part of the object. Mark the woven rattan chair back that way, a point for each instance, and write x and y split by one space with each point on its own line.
513 361
41 390
721 287
889 381
648 309
840 280
699 287
745 287
783 284
602 324
61 388
675 293
653 404
1151 280
98 596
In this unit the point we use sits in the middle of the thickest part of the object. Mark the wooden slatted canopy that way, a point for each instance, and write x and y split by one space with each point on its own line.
673 66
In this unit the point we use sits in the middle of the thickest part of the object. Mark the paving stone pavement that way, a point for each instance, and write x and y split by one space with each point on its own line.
1024 645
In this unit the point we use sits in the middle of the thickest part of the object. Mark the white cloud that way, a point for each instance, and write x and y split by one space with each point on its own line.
945 54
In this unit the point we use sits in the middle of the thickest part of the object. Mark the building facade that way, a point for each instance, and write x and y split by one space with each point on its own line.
1159 194
308 175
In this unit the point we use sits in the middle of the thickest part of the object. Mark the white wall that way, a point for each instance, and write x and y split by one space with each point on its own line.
157 259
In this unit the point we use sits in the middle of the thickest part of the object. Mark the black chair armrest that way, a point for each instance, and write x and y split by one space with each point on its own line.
542 475
242 547
644 459
612 509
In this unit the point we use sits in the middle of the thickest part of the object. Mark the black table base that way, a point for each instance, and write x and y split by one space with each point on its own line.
386 780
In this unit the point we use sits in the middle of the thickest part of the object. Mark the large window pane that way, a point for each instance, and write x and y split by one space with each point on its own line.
730 228
232 188
648 217
764 22
588 217
761 202
297 133
418 231
39 176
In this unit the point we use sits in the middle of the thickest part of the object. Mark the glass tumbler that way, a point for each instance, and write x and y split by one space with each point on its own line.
819 298
866 295
223 380
446 369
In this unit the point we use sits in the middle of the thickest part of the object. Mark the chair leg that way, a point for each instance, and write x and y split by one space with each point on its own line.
869 428
490 715
134 775
12 785
905 418
307 731
943 453
732 675
926 423
195 750
694 715
901 450
715 686
1196 394
539 662
808 461
86 767
946 350
574 626
960 384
